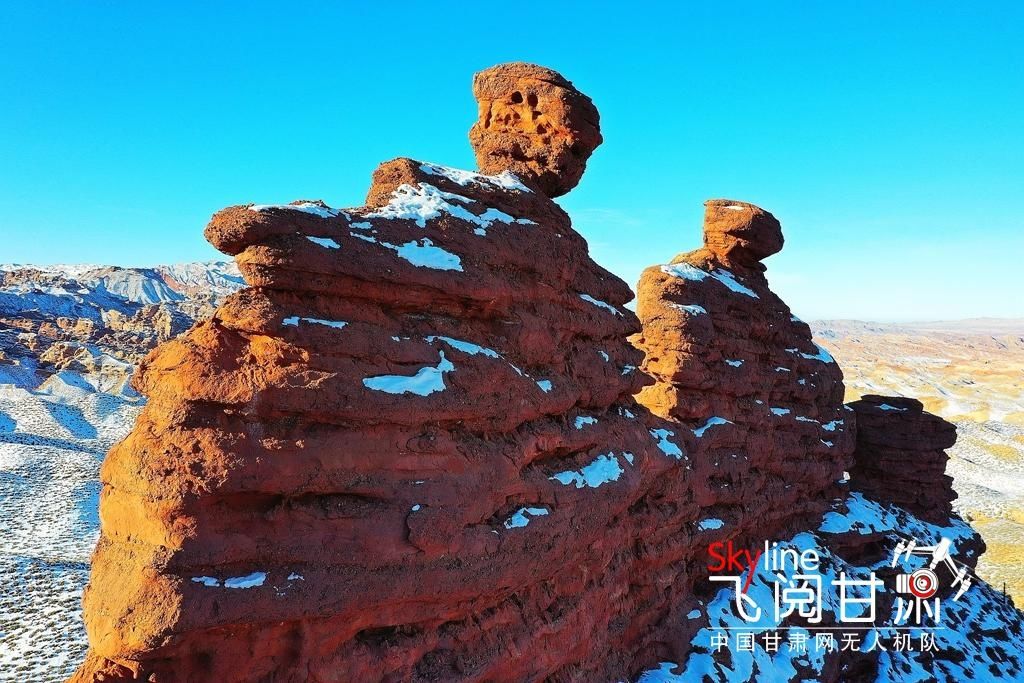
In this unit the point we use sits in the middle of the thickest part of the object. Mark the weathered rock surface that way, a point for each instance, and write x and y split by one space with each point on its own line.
762 404
534 123
741 373
740 234
901 455
409 449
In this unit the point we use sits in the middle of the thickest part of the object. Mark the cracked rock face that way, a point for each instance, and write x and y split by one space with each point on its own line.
534 123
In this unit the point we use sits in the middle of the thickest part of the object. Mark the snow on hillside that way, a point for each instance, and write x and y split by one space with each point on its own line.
982 627
52 440
163 283
69 336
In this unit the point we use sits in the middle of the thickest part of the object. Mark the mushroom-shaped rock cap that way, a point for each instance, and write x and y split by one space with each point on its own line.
534 123
741 233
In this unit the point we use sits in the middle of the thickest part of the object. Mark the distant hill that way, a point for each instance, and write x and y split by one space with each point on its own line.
56 317
969 326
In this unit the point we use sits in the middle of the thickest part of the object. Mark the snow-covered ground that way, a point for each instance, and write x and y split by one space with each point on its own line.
53 437
69 336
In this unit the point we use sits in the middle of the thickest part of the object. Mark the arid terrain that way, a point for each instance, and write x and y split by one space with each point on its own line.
970 372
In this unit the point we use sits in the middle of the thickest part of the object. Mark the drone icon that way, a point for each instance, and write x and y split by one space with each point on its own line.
924 583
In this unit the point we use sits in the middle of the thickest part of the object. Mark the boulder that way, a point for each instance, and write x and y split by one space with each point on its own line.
740 234
534 123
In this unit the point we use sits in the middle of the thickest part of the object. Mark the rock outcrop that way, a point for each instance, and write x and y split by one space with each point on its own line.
535 124
408 451
900 456
732 364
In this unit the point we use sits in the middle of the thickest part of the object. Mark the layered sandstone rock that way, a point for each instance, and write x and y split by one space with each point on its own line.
900 456
408 451
761 404
734 366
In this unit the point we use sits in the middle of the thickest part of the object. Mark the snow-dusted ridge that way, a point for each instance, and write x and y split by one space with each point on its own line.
505 180
689 272
58 288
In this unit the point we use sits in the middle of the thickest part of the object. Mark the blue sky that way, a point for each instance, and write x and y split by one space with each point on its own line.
888 140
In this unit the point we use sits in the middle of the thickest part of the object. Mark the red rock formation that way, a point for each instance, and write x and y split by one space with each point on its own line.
408 451
740 372
760 407
900 456
740 234
535 124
